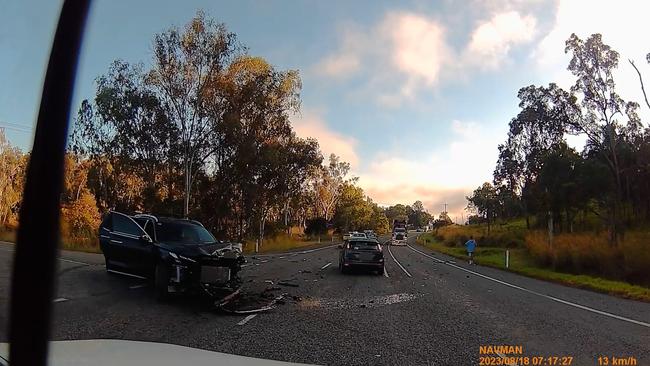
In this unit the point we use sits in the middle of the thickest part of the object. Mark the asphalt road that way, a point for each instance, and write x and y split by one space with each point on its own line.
422 311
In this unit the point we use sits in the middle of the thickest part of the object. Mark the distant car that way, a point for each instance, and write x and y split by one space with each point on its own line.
400 230
399 238
347 236
179 255
419 230
358 235
370 234
361 253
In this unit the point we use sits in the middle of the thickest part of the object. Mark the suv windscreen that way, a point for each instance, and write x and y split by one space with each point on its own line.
183 233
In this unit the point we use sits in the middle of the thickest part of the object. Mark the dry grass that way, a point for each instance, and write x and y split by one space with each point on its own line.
510 234
282 243
8 235
591 253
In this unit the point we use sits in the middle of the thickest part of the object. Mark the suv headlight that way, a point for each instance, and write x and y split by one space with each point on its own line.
179 257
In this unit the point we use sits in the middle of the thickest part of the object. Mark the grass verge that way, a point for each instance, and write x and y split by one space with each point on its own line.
520 262
77 245
283 244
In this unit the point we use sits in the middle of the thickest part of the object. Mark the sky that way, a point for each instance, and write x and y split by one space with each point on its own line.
415 95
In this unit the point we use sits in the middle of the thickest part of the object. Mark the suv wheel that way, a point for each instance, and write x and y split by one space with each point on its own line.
161 281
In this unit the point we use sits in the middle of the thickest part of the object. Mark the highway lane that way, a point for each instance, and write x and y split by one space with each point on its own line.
438 316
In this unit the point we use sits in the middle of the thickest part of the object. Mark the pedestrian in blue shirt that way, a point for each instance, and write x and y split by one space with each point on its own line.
470 245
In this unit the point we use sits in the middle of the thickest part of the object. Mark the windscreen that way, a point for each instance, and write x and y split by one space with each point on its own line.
182 233
498 151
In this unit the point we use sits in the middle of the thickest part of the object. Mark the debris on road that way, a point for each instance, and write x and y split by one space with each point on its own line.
305 271
286 283
268 281
246 319
249 304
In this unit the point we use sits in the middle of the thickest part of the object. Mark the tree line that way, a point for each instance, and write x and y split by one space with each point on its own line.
203 131
538 175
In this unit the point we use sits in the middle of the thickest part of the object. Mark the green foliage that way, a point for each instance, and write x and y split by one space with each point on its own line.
316 226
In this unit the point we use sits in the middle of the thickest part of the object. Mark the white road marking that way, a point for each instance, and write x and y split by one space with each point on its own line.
294 253
75 262
386 273
549 297
246 319
126 274
327 265
398 263
137 286
61 259
60 299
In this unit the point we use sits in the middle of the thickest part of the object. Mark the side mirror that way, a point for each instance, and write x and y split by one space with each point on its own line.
145 238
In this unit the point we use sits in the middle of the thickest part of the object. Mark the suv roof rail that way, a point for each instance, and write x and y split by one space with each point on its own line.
146 216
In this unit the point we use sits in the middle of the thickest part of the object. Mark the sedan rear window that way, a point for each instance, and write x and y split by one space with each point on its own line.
363 245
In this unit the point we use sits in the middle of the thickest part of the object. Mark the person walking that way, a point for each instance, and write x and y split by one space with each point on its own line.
470 245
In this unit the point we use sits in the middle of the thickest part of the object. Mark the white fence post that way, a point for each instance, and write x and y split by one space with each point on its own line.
507 258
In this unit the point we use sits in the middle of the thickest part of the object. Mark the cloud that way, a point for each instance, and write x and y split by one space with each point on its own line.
492 40
405 53
347 59
340 65
311 124
419 49
443 175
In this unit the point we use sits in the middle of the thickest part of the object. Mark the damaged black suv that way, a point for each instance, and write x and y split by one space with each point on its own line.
178 255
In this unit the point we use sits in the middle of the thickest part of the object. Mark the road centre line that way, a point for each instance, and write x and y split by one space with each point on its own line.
75 262
398 263
293 253
327 265
549 297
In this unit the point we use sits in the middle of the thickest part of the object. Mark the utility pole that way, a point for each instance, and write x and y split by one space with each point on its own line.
445 207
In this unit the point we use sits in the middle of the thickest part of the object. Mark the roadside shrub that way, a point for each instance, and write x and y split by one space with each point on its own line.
316 226
510 234
591 253
537 245
635 250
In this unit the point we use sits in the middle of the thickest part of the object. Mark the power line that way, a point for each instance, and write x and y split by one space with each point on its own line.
15 126
19 129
